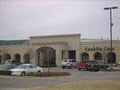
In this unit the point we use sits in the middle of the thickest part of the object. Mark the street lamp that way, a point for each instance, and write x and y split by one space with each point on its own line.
111 24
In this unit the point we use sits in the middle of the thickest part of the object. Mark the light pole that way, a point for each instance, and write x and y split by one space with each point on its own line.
111 24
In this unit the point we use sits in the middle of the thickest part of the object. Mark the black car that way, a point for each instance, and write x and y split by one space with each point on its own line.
97 65
15 62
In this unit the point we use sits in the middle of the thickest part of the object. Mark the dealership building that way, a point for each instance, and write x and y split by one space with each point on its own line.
53 48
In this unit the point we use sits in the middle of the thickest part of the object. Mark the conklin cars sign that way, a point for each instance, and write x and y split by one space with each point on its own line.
98 49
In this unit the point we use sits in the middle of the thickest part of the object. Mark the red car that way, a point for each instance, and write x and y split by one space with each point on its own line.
83 65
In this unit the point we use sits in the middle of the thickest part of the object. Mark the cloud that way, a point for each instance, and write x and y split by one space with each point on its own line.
25 18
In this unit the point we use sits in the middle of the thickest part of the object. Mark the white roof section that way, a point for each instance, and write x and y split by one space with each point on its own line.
98 41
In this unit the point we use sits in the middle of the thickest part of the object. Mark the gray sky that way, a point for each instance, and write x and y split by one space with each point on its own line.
20 19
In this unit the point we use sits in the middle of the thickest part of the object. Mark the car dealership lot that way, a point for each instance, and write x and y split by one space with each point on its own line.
20 83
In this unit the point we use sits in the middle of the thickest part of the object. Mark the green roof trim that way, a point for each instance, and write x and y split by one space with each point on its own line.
14 42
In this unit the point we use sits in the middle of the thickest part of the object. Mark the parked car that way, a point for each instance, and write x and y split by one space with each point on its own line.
68 63
9 61
118 64
7 66
83 64
97 65
24 69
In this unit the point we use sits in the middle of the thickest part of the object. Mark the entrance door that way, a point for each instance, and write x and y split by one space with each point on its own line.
72 54
85 56
111 57
98 56
44 54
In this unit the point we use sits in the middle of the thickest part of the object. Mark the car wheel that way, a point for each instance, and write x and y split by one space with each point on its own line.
79 69
70 66
63 67
38 72
89 70
23 74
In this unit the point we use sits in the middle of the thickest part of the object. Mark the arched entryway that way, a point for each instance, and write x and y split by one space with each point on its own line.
44 54
17 57
111 57
85 56
97 56
27 58
7 56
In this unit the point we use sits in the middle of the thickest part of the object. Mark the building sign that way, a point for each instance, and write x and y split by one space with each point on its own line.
98 49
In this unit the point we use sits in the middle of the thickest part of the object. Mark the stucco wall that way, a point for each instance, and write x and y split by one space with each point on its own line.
103 47
59 43
12 50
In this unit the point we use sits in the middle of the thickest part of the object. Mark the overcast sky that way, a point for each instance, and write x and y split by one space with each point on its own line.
20 19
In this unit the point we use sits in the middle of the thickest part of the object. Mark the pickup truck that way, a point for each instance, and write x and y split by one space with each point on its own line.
83 65
97 65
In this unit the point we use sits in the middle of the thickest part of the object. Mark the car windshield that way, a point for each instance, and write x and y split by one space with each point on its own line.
65 60
21 67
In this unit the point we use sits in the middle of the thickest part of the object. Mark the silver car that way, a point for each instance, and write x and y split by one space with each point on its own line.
24 69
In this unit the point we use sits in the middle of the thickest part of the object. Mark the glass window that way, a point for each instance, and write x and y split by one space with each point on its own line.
34 66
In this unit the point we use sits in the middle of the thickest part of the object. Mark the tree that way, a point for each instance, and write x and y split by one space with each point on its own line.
49 56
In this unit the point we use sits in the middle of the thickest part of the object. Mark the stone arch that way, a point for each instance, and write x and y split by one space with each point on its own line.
84 56
44 54
111 56
17 57
7 56
27 58
97 56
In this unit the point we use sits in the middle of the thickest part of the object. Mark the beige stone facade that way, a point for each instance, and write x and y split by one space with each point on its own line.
56 47
63 45
14 52
100 49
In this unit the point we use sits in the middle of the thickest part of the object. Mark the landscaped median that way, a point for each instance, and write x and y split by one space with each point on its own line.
5 72
84 85
48 74
43 74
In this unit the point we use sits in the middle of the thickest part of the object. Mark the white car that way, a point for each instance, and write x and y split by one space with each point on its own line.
25 69
68 63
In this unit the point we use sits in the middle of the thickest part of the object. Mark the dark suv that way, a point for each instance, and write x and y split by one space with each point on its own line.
15 62
97 65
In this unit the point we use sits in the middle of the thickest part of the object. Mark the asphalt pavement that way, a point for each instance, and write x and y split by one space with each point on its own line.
25 82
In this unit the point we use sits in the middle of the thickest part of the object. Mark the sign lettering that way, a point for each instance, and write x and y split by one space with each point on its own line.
99 49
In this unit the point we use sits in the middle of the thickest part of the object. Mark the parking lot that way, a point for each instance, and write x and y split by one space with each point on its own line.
24 82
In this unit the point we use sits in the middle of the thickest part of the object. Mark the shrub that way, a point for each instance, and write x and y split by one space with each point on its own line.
49 74
5 72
